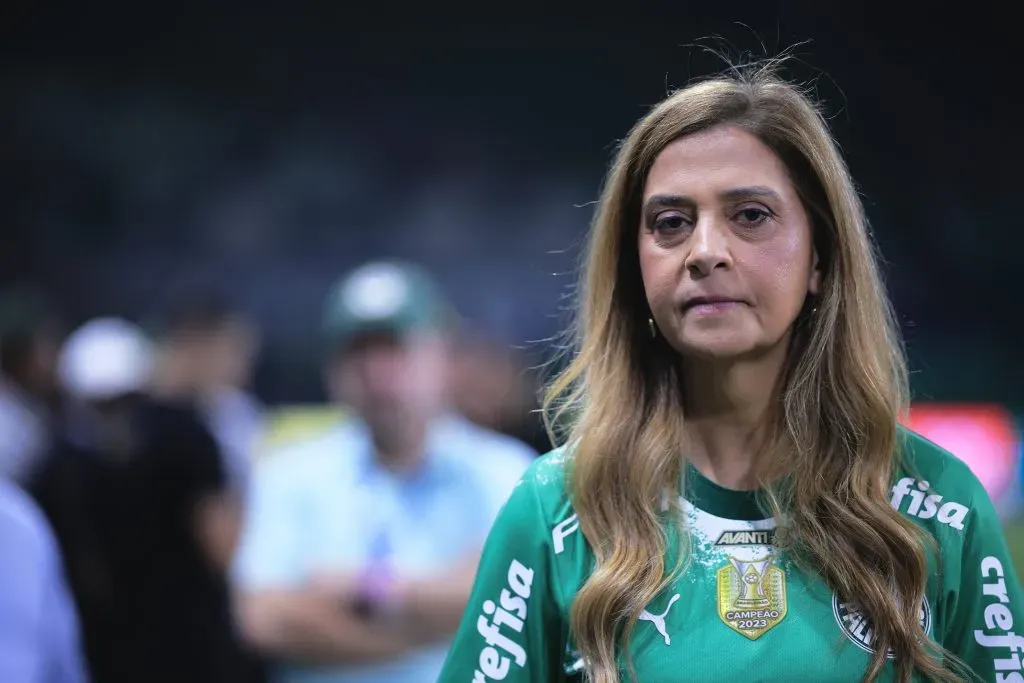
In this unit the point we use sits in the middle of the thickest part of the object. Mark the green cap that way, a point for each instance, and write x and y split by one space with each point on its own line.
384 296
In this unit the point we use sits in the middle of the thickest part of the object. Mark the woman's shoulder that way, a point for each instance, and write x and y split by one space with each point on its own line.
924 458
544 487
930 482
548 471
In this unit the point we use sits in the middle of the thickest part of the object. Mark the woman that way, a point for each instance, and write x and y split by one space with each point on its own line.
736 501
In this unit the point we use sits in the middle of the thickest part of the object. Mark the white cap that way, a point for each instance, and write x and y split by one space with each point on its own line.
105 358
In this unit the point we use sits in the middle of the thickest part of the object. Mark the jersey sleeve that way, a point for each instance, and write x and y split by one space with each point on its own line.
512 630
988 616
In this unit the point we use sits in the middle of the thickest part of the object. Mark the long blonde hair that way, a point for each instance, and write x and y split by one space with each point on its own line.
833 440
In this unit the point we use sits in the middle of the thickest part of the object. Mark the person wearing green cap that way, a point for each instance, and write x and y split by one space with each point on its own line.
362 544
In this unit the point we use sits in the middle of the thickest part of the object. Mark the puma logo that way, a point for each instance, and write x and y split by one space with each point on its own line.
659 619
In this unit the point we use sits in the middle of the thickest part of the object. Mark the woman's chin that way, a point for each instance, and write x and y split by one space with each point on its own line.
715 347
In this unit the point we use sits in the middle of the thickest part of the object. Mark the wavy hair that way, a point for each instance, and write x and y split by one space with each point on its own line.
827 464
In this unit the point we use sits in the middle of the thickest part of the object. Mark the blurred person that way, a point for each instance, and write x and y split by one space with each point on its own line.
28 350
137 495
39 637
734 498
205 353
362 543
492 387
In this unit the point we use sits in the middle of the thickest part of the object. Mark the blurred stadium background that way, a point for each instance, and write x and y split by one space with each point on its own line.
268 151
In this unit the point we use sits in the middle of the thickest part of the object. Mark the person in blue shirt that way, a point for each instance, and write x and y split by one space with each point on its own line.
39 637
361 544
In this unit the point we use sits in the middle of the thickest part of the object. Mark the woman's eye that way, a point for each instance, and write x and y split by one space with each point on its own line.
668 222
753 216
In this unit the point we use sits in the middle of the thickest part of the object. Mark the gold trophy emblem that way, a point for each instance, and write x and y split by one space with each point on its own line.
751 596
752 576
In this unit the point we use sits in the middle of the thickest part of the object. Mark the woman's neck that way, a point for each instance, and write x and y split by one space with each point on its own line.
726 409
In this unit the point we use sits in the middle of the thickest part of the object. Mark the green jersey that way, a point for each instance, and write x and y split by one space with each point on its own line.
741 610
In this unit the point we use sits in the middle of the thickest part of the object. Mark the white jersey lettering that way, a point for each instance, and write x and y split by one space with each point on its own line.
561 531
501 650
926 505
999 619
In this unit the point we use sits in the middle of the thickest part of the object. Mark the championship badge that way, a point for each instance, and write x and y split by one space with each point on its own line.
751 596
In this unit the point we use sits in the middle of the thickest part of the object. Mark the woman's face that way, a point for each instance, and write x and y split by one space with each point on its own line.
726 251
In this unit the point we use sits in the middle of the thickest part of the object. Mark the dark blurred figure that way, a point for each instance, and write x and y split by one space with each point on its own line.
29 339
492 386
136 492
206 349
39 636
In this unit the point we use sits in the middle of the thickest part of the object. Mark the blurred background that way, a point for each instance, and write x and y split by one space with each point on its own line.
263 152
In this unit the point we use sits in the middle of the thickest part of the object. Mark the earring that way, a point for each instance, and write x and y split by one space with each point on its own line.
652 328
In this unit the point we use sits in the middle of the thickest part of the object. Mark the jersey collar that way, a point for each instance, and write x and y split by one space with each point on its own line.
720 501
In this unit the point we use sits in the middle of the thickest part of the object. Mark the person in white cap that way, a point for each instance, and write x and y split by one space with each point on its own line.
105 359
136 493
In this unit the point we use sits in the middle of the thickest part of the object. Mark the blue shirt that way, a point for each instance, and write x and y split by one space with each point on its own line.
39 639
24 438
325 505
